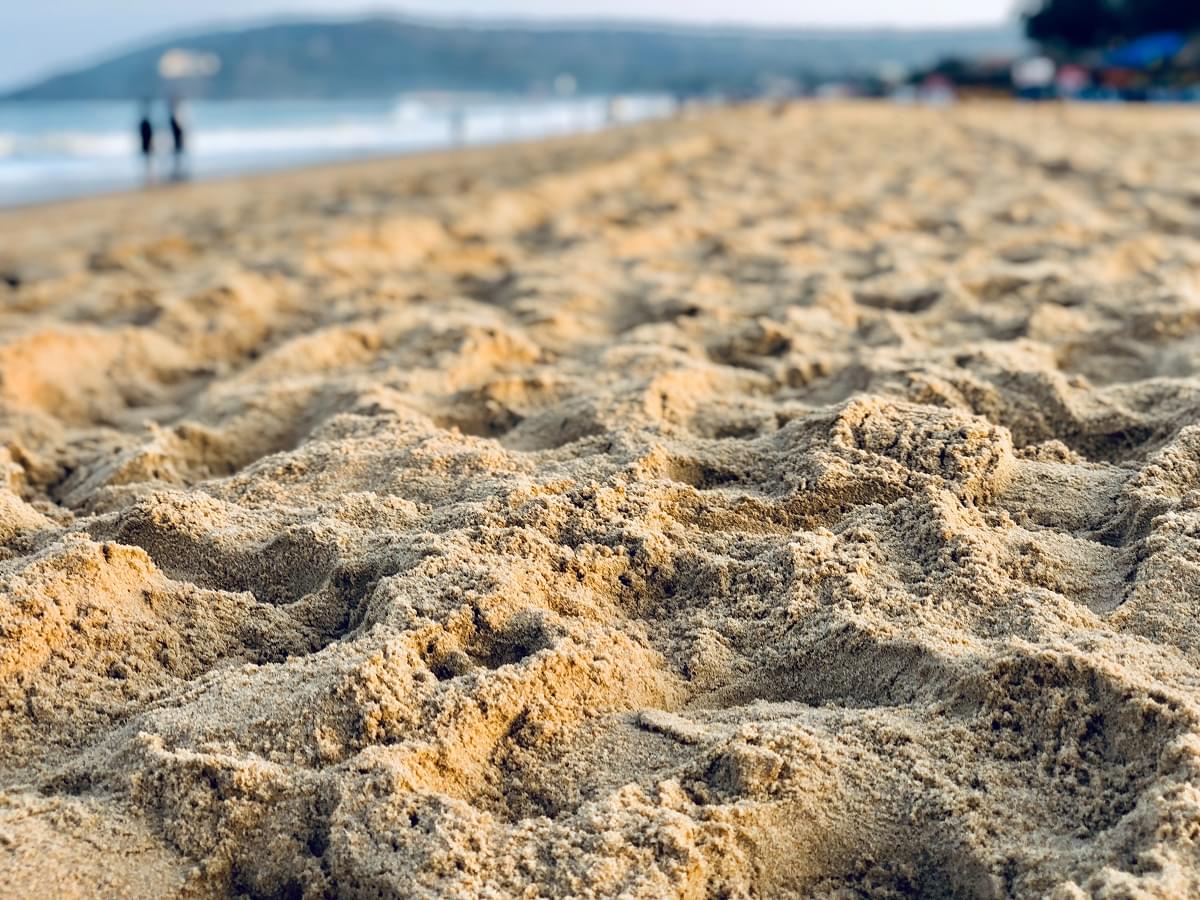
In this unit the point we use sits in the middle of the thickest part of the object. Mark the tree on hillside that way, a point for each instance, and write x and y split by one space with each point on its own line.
1072 24
1085 24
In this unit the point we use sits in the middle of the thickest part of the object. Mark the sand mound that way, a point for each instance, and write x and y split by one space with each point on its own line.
717 508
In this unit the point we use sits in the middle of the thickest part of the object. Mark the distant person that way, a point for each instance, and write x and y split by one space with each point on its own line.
178 142
458 126
146 134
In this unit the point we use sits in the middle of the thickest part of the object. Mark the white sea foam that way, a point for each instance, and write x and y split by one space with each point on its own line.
51 150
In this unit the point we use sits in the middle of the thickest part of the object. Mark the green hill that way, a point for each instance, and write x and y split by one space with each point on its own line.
384 56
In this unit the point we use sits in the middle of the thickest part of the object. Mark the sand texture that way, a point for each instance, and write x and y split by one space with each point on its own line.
738 506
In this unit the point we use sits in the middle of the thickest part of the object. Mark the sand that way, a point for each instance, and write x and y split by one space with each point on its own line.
736 506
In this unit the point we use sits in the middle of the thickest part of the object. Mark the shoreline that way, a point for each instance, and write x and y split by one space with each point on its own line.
48 154
346 167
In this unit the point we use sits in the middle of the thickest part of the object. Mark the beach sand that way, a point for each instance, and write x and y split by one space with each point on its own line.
746 505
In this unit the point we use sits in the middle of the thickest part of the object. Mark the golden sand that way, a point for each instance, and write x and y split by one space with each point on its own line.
740 506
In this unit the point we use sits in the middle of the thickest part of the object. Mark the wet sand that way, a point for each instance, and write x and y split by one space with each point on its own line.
738 506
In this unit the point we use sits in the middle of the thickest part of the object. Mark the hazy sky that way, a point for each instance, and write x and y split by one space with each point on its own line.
37 38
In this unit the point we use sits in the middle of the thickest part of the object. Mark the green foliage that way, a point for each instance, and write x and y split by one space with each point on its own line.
1087 24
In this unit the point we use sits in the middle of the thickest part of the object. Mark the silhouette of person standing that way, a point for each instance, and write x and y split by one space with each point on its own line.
146 134
179 141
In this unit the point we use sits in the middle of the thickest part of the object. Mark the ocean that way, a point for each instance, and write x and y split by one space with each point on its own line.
51 151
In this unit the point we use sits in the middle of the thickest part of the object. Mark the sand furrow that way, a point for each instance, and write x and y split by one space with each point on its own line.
717 507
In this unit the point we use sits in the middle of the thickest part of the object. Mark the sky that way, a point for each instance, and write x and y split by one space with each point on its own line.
40 38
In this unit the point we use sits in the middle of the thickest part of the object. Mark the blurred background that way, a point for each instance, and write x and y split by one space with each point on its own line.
232 86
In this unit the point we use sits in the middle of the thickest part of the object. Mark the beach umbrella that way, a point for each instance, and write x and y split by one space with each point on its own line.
1147 51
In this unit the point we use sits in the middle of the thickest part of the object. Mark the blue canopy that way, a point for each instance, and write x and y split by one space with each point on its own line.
1146 51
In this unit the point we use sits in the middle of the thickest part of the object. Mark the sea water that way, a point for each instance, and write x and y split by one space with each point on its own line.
54 150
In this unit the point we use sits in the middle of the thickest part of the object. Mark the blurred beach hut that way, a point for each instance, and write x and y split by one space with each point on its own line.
936 89
1157 66
1033 77
1072 80
184 73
